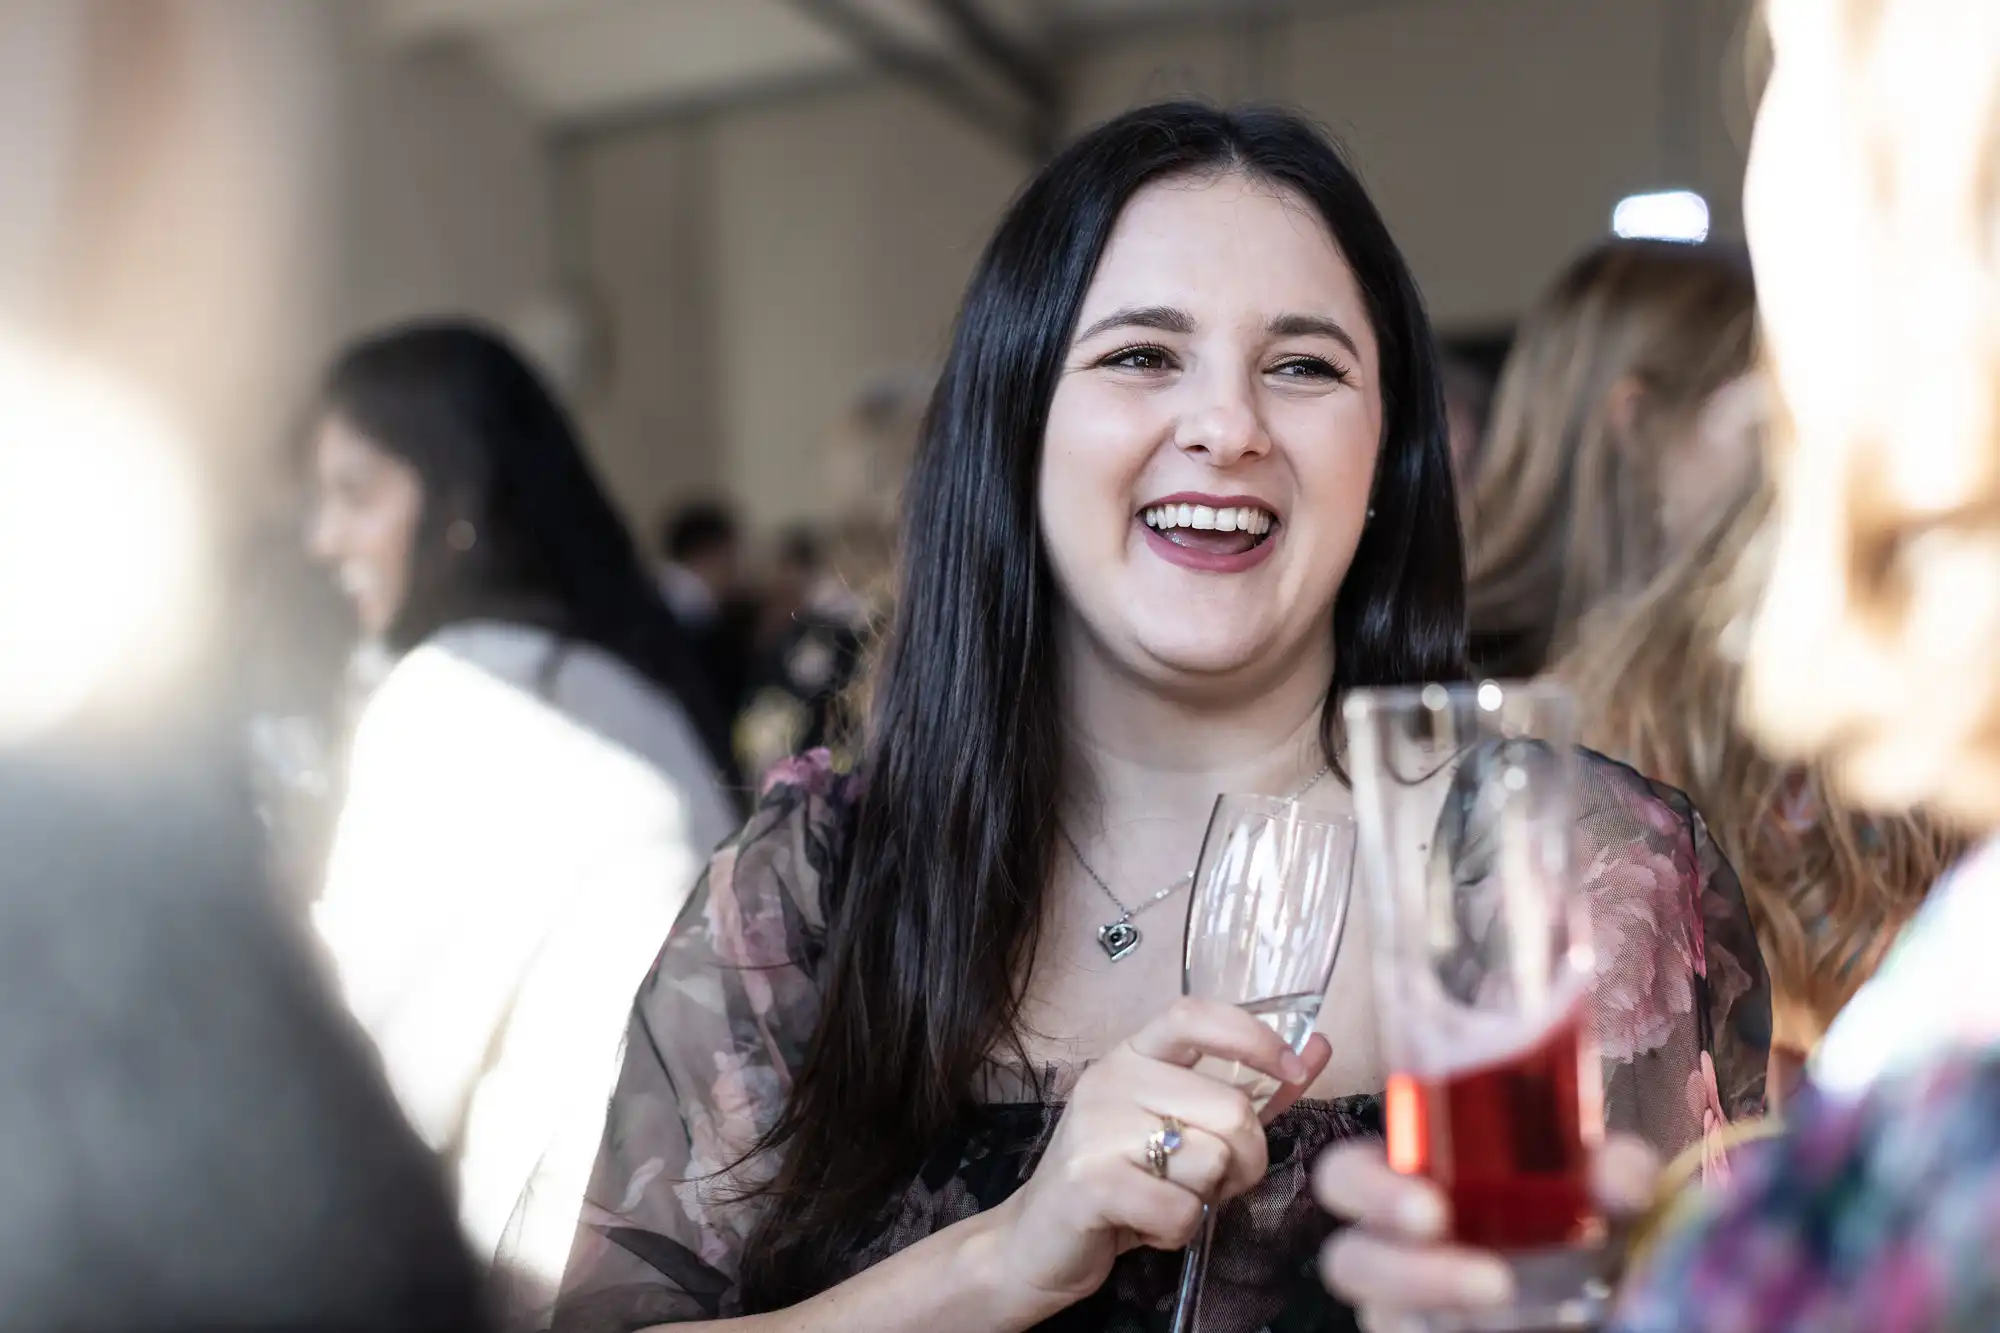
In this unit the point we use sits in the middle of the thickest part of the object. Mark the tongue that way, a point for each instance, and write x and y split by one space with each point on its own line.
1210 541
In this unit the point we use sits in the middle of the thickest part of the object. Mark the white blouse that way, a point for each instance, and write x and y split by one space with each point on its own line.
524 820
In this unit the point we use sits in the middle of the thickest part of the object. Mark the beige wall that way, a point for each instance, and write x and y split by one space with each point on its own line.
845 231
1495 135
643 234
757 265
446 185
755 268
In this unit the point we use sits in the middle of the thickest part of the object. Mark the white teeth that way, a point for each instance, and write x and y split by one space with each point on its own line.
1243 518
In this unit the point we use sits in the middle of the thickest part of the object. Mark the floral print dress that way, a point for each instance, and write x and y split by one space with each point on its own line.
1682 1020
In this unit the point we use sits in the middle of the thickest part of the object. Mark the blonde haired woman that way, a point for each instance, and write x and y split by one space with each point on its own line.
1875 220
1597 464
1657 678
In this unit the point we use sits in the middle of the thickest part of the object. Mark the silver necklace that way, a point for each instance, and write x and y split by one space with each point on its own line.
1119 936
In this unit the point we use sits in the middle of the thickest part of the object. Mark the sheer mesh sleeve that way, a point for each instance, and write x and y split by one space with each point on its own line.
716 1030
1682 1005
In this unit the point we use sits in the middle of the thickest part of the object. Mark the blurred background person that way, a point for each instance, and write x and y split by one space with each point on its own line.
1657 678
701 577
1872 655
532 790
701 546
299 681
1468 406
1593 430
804 688
796 569
805 685
195 1136
1873 219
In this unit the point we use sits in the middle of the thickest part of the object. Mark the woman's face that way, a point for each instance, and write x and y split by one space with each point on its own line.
1212 440
1703 474
364 522
1809 211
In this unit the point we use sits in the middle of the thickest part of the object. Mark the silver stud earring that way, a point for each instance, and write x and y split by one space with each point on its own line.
460 535
1371 513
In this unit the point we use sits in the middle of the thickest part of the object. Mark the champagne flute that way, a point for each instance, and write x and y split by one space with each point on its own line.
1264 924
1466 797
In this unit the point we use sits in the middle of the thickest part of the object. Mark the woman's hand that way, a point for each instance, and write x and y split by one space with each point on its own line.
1093 1196
1394 1261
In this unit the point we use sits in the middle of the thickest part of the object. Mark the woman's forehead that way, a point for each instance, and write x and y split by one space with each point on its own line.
1219 244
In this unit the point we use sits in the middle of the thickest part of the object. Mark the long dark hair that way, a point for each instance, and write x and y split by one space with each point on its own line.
936 915
493 449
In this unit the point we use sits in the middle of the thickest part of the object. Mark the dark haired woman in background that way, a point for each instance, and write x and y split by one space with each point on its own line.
533 788
1184 481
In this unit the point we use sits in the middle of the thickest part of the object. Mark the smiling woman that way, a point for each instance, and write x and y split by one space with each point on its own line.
1246 373
906 1062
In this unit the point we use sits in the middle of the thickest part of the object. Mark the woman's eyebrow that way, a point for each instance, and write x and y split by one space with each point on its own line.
1313 326
1166 319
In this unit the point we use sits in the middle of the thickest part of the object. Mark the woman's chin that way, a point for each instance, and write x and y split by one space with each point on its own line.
374 620
1221 659
1219 651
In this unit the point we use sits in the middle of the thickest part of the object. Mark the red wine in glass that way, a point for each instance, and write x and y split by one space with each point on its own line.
1507 1141
1466 800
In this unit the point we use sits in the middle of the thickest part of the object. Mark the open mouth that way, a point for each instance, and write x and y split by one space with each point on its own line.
1221 530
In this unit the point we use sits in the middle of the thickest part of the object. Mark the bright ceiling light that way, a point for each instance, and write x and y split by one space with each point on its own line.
100 540
1663 215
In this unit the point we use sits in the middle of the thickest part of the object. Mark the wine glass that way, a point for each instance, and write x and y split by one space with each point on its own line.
1466 797
1264 924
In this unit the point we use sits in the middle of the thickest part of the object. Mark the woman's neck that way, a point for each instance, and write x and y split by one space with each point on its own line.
1140 749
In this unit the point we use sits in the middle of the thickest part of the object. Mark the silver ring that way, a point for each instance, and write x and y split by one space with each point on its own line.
1162 1144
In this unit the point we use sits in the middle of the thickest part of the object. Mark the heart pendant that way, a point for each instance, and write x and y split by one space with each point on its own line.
1119 938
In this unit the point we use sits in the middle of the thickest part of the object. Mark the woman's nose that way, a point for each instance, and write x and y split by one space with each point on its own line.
1222 421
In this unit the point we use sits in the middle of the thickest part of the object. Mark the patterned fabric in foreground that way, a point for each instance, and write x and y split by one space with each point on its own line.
1876 1215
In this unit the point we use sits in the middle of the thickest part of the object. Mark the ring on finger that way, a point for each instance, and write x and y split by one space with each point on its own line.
1162 1144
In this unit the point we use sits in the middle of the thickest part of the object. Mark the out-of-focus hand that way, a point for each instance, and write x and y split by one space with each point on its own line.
1394 1261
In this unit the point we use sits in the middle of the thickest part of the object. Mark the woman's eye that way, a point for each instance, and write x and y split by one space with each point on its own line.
1138 358
1309 368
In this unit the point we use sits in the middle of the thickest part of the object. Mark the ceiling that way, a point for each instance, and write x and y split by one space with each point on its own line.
577 62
